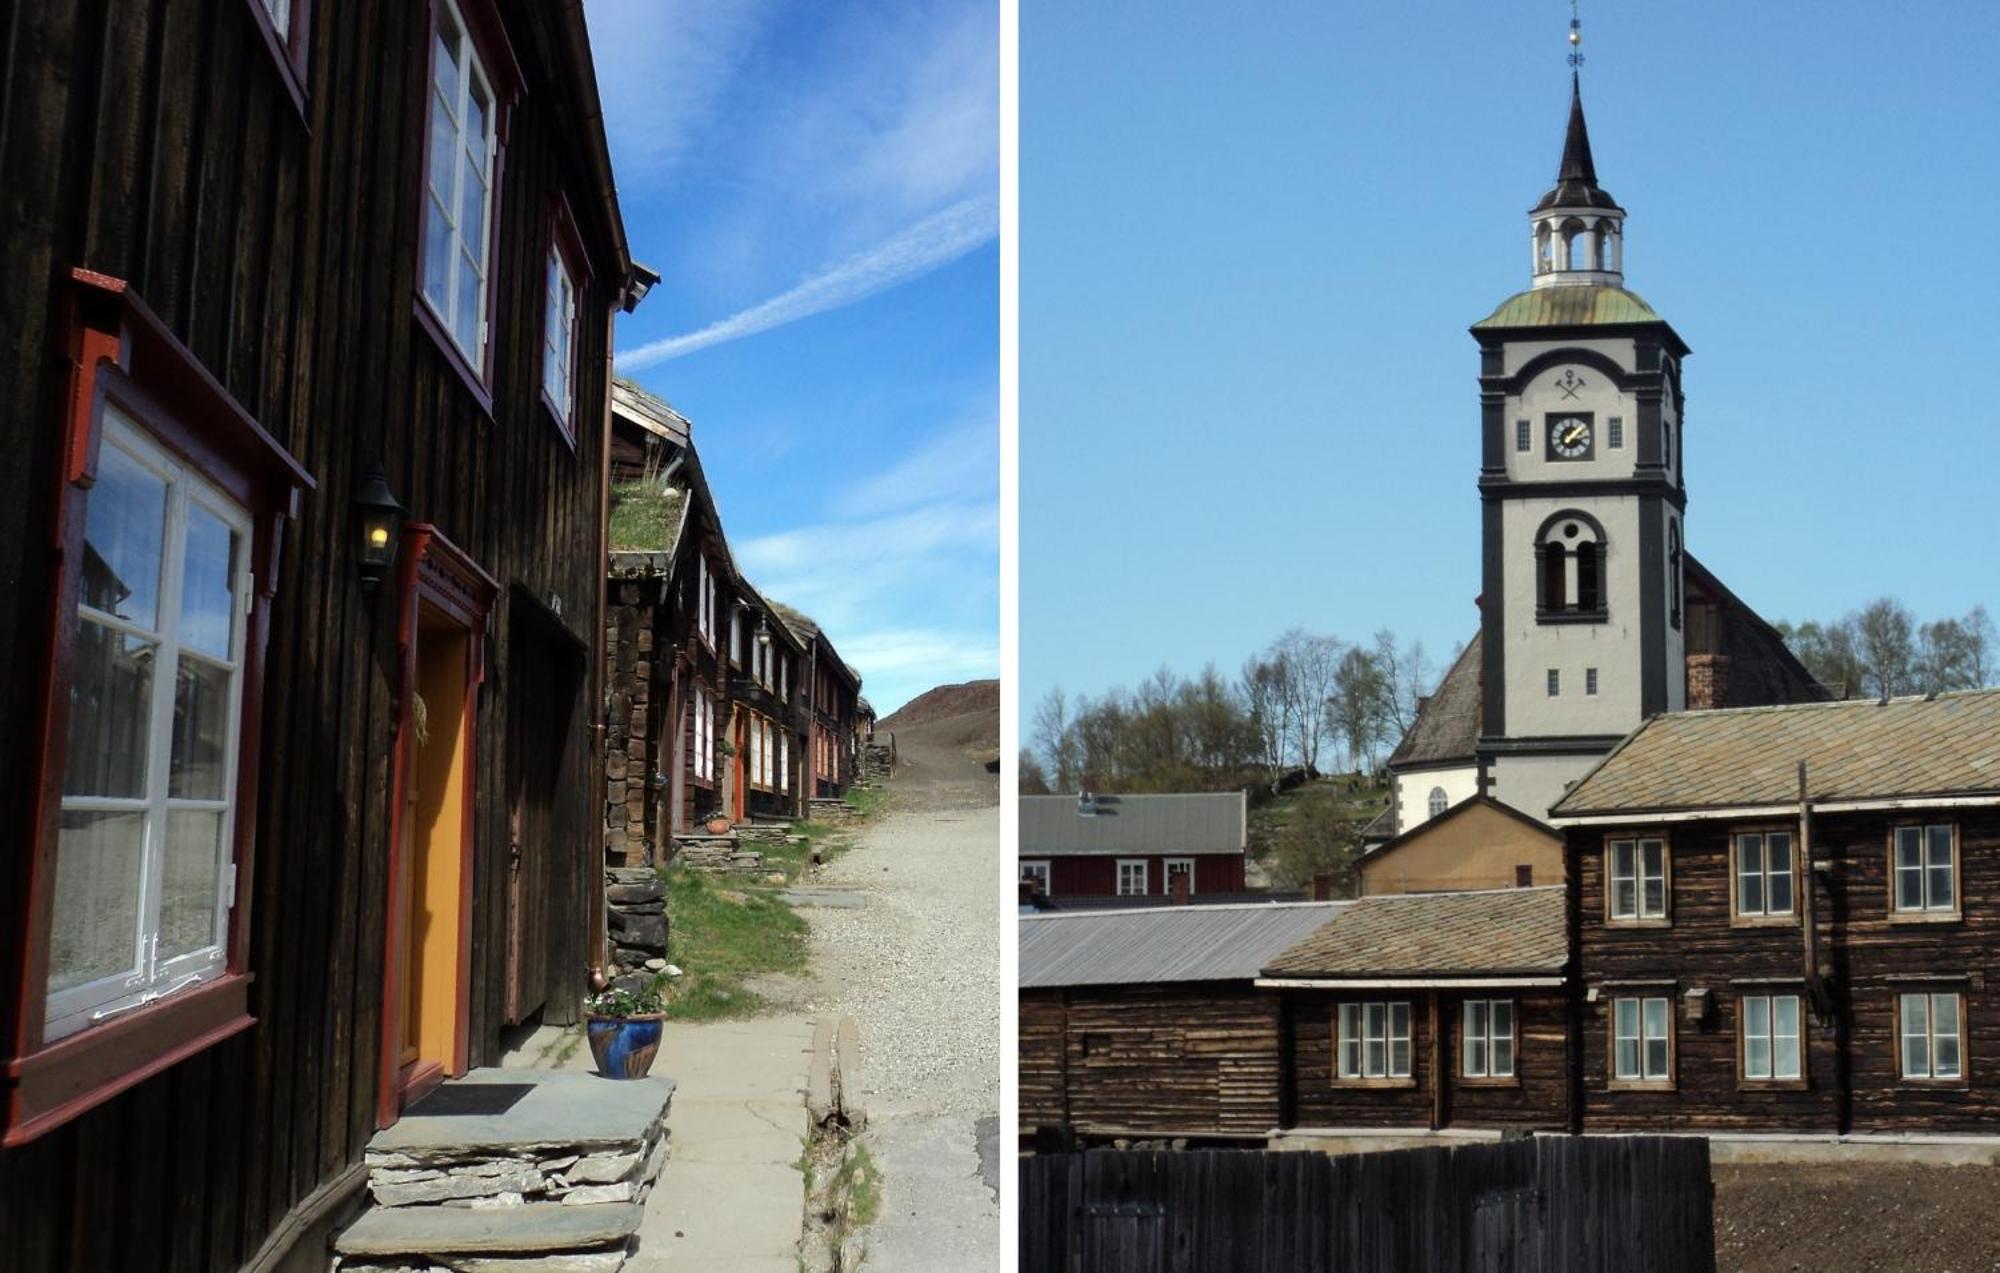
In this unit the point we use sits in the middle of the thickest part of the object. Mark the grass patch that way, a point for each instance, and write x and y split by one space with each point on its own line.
645 517
867 801
859 1182
723 934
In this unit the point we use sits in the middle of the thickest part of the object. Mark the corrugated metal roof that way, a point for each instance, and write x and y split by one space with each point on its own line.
1570 306
1860 749
1496 932
1173 943
1200 822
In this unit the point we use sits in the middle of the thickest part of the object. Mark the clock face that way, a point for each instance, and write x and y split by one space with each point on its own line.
1569 437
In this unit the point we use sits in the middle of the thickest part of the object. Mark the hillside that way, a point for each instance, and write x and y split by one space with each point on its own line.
945 702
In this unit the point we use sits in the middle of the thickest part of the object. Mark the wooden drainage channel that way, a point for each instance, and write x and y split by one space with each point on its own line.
830 1241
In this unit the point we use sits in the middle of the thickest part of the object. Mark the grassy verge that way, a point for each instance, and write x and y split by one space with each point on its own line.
858 1182
868 801
723 935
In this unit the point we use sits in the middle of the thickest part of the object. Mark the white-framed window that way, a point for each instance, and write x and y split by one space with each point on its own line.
704 735
1770 1037
704 601
784 678
559 338
1637 870
281 16
1523 436
1375 1040
1764 873
1179 866
458 183
1614 433
1555 683
1036 873
736 632
1642 1039
1929 1026
145 866
1131 877
1590 680
784 745
1926 868
1439 801
1488 1045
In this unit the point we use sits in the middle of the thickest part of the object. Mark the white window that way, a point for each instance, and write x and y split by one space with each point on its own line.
1770 1037
1522 433
1489 1039
459 181
144 854
1131 877
559 339
1924 869
281 16
1638 872
1036 873
1764 873
704 601
784 745
1614 433
1375 1040
704 735
1439 801
1930 1036
1642 1038
1180 866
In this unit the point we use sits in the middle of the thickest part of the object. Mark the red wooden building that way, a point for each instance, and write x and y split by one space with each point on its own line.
1134 845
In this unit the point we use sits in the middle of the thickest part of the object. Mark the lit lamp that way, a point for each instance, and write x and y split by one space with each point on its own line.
381 520
763 631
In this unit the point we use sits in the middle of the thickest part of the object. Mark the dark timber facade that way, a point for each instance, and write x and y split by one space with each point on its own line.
380 839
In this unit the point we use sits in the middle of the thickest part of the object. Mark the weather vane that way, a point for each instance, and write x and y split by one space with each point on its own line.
1575 38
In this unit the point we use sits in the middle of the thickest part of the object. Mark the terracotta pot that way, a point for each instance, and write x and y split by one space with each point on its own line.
624 1047
718 825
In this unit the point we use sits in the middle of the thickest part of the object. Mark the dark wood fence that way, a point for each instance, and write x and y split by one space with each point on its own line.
1546 1205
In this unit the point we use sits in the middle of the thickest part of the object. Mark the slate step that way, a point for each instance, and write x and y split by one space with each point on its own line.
532 1228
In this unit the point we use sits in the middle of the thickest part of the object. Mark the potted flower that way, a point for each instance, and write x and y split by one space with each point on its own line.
624 1029
718 823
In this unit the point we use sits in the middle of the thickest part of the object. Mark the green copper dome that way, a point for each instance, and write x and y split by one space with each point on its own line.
1570 307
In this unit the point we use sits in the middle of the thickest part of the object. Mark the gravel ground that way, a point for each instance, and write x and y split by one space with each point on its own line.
1823 1218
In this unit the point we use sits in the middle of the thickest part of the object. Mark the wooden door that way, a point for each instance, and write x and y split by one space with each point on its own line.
544 687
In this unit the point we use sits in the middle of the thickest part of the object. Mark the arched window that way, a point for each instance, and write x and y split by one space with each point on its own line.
1603 257
1575 246
1674 573
1439 802
1544 250
1570 585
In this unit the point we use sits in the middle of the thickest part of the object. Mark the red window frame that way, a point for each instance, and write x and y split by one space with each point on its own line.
564 241
117 350
289 49
503 74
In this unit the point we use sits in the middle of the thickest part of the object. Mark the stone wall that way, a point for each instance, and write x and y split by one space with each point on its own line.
631 717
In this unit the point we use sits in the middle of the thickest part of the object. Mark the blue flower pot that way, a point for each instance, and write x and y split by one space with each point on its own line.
625 1046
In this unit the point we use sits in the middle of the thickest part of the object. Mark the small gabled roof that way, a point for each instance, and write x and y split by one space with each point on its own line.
649 411
1136 825
1447 725
1947 745
1459 810
1499 932
1162 944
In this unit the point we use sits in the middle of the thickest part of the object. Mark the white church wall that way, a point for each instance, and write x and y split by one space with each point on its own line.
1413 792
1612 647
1533 783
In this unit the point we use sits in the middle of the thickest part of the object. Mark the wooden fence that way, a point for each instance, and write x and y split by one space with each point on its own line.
1548 1205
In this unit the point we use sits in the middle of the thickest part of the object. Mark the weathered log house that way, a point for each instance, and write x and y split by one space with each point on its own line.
1769 948
300 804
1134 845
1148 1023
833 696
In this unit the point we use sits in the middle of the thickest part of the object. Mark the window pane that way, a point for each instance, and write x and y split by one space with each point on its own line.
1750 854
1656 1018
1757 1015
1656 1058
1909 888
1944 1014
1781 893
472 216
1786 1062
1656 896
478 124
1373 1053
1940 887
208 583
110 712
1399 1020
1628 1059
1916 1056
122 535
1750 893
443 150
437 257
465 322
1756 1056
1399 1058
1503 1057
199 767
1947 1059
1628 1018
1475 1055
1938 841
444 58
1909 847
94 927
1625 899
190 875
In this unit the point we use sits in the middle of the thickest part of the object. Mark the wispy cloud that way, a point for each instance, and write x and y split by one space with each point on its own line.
952 463
663 71
936 240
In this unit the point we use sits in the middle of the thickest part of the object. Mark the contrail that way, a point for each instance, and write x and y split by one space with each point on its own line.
936 240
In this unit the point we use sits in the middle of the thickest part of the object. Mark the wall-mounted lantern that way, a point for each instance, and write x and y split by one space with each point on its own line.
380 521
763 631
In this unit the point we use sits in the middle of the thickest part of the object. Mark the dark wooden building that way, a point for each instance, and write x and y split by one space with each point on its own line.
1149 1024
1134 845
299 814
1787 917
833 708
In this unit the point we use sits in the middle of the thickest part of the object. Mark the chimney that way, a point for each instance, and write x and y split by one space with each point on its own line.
1177 886
1707 682
1524 876
1323 886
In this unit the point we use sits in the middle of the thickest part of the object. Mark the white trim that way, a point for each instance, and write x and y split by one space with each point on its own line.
1167 866
1145 877
1402 983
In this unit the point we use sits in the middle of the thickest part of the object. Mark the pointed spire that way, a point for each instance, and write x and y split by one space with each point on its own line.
1576 164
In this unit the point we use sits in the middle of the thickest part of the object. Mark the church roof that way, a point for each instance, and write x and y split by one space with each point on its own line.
1594 306
1576 180
1447 725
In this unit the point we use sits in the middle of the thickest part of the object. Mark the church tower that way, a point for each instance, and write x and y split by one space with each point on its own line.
1581 623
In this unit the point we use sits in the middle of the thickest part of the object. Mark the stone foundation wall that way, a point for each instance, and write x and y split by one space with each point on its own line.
630 724
635 912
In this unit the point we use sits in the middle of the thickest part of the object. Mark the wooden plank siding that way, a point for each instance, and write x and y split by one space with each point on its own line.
1093 875
155 141
1850 1080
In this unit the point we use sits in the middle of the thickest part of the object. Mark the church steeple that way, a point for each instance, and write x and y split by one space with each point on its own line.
1578 228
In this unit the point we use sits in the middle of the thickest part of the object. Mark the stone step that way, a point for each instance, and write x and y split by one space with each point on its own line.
532 1228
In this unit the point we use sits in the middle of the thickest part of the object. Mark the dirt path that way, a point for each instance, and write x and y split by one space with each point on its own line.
1819 1218
917 965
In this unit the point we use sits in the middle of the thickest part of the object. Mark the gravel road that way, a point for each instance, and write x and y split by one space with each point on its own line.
1830 1218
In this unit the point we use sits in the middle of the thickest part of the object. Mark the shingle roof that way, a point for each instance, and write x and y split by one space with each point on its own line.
649 411
1516 931
1447 726
1141 824
1172 943
1860 749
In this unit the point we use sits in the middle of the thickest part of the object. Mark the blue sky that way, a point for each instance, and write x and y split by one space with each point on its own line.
817 185
1253 237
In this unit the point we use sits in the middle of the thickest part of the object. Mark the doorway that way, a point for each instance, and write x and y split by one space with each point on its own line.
547 802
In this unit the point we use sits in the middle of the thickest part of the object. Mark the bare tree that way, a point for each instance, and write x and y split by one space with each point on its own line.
1408 675
1979 648
1034 780
1311 664
1886 641
1264 695
1055 735
1355 709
